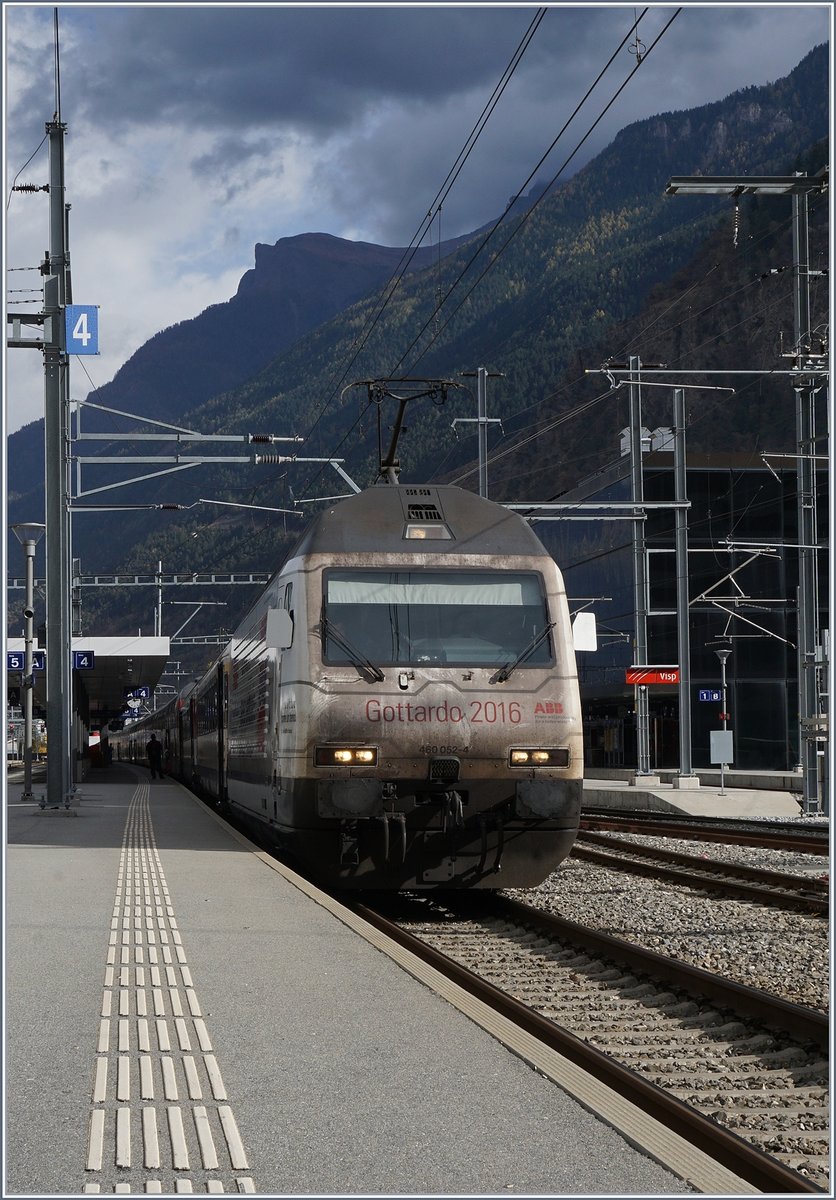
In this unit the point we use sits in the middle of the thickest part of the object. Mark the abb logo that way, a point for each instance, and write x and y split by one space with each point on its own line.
547 706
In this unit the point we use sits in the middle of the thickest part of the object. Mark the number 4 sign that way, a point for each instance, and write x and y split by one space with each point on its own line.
82 327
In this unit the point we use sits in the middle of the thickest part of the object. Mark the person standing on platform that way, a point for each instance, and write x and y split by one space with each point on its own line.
155 757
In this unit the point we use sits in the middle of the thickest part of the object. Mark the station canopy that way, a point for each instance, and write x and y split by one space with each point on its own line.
120 665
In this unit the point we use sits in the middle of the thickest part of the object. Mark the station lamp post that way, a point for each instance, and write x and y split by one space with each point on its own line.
724 715
28 534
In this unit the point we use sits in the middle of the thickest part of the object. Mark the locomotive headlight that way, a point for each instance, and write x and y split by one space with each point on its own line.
532 757
330 756
434 532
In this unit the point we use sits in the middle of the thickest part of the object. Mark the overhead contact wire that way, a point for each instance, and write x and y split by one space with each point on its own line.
531 175
443 192
537 202
441 195
499 221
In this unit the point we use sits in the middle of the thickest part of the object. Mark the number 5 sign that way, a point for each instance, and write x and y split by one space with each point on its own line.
82 326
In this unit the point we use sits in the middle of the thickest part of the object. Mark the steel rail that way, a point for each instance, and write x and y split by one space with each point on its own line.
732 887
751 1164
755 882
802 1022
799 883
804 843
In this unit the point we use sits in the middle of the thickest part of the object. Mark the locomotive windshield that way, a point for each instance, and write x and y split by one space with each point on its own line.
465 618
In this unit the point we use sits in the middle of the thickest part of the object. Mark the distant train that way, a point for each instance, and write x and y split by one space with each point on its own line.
400 707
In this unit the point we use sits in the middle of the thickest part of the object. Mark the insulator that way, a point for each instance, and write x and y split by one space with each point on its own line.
31 187
261 438
266 459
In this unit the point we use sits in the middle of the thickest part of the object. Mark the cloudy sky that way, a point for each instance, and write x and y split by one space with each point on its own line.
194 132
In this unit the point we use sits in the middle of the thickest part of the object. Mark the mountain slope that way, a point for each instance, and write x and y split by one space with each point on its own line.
586 258
295 285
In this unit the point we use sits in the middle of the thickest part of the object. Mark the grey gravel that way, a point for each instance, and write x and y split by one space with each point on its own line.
782 952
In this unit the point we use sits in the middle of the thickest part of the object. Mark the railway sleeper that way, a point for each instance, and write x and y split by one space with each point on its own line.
791 1056
617 1013
756 1089
608 975
802 1119
571 959
702 1042
790 1149
531 941
651 1040
673 1005
712 1076
701 1032
723 1058
790 1101
739 1054
637 991
688 1053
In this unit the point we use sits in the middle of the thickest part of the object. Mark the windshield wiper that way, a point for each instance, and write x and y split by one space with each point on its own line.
332 631
504 672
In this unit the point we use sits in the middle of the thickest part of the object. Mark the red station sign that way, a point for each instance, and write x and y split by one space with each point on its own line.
644 675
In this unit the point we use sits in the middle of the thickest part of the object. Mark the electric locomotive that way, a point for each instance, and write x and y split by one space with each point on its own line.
400 707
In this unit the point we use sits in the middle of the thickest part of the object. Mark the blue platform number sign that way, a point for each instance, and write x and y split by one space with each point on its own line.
82 328
710 695
83 660
16 660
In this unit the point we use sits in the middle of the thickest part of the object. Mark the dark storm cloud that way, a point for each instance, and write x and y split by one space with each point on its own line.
318 68
323 72
703 55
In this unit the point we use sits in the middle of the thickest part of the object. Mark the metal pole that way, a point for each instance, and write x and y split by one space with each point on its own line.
639 566
723 656
723 691
482 413
58 642
807 521
28 535
28 613
682 600
825 698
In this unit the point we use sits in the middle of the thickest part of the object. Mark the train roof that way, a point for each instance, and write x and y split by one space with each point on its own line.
437 519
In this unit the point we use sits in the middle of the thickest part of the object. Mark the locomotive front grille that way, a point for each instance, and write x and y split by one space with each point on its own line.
444 770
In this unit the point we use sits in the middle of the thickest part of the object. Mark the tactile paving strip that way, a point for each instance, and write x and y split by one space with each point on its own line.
160 1121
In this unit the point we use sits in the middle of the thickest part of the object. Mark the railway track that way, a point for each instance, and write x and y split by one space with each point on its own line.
737 879
765 834
737 1072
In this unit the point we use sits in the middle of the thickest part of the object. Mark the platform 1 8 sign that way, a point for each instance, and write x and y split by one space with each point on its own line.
82 328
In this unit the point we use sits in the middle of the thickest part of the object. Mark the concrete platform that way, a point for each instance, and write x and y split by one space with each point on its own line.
704 801
759 781
180 1015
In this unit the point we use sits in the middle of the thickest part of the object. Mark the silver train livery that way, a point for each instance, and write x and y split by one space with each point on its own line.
400 707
